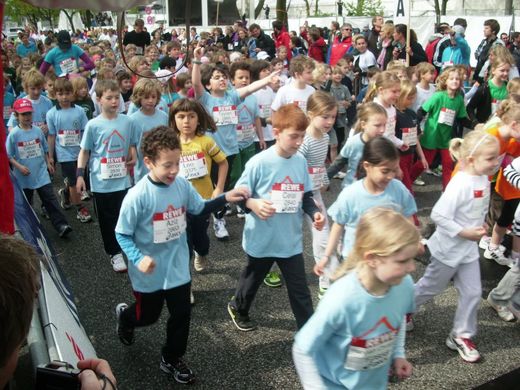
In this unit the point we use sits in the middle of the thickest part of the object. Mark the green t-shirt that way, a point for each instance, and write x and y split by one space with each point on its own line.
442 112
497 93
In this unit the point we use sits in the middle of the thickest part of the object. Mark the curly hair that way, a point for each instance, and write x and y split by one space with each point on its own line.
157 139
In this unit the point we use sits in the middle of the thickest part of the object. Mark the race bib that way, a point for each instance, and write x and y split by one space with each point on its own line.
479 204
169 225
139 50
265 110
390 126
317 177
494 105
230 46
369 353
113 168
447 116
69 65
7 112
410 136
30 149
69 137
225 115
447 64
287 196
245 133
193 166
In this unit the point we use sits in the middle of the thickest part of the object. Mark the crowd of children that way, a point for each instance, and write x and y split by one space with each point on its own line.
163 152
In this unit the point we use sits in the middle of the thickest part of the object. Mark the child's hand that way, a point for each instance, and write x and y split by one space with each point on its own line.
262 144
346 103
80 185
319 267
473 234
425 164
216 192
404 147
198 53
131 161
24 170
319 221
44 128
402 368
146 265
238 194
50 166
261 207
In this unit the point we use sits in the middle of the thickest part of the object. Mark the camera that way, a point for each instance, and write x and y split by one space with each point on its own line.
57 375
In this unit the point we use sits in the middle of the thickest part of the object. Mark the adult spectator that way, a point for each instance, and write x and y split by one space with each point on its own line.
505 38
373 35
341 44
317 45
281 37
263 41
447 40
491 30
458 50
65 57
415 50
26 47
138 37
514 48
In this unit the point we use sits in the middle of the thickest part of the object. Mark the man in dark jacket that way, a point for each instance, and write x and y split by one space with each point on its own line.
138 37
373 35
263 41
491 30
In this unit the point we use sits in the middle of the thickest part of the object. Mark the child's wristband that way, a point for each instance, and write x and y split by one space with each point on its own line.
80 172
197 62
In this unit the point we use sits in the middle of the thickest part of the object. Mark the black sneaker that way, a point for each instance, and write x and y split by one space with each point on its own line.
242 322
64 230
178 370
125 333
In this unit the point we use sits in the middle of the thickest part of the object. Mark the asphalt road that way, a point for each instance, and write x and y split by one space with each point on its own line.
224 358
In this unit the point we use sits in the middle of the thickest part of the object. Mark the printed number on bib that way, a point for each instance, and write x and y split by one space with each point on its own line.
7 112
68 65
265 110
193 166
410 136
245 133
447 116
480 203
317 177
169 225
287 196
225 115
68 137
30 149
113 168
366 352
494 105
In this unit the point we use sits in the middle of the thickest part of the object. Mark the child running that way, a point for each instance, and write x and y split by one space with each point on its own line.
321 110
152 231
459 215
357 333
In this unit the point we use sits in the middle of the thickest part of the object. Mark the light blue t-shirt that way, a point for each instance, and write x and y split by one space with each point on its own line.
64 62
8 106
283 181
161 106
24 51
108 141
28 147
247 113
141 124
355 200
67 124
347 324
353 151
224 112
154 215
40 109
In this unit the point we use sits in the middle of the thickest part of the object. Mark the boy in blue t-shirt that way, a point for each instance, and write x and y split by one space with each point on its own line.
281 190
27 151
152 231
212 90
109 140
66 125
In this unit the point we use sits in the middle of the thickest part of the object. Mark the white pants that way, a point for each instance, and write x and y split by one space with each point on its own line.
319 242
466 278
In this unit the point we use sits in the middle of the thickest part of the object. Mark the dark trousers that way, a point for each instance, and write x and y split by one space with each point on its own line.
147 309
50 202
293 271
228 185
107 206
197 232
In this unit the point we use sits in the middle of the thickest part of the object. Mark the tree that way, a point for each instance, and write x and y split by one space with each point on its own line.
365 8
307 8
259 7
440 7
69 13
20 12
281 11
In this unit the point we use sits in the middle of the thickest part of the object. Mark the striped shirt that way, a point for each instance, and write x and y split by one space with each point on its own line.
315 151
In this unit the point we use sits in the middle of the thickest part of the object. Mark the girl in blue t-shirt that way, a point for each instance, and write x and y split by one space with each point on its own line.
357 333
380 188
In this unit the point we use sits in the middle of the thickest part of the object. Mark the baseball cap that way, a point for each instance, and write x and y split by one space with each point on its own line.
22 105
64 41
262 55
458 29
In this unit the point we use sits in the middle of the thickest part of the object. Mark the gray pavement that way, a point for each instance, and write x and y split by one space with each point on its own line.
224 358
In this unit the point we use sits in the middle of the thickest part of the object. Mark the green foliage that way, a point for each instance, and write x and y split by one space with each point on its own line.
364 8
19 11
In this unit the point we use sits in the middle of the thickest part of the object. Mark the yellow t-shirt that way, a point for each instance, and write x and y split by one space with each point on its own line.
197 156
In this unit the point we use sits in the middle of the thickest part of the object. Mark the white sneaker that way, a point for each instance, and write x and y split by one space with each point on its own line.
192 298
497 255
465 347
199 262
486 240
503 312
219 225
240 213
118 263
419 182
340 175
